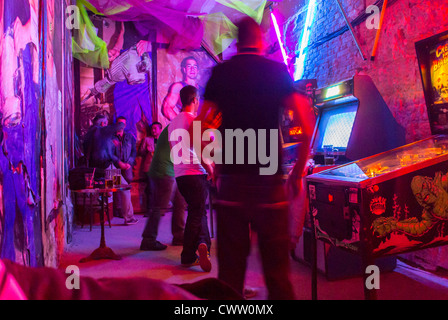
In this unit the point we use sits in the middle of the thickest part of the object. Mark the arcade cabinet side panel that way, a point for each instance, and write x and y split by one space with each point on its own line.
375 129
409 212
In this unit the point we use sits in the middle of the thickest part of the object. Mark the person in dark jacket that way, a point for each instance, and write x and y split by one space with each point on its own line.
125 151
101 152
99 146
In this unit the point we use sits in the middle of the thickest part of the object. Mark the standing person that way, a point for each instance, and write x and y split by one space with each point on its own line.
248 92
171 105
126 151
147 145
100 120
156 130
103 155
146 149
191 178
161 174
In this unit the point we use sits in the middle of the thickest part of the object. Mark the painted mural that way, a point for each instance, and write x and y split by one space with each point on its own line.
174 71
32 233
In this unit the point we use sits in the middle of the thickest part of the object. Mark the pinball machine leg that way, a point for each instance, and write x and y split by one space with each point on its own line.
313 261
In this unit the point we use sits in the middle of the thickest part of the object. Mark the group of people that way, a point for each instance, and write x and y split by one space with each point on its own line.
110 146
246 92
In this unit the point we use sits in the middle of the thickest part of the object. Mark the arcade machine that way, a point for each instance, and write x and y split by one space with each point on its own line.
354 120
291 129
380 206
432 55
391 202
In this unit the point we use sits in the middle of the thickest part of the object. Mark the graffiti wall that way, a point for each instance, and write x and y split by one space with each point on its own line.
33 207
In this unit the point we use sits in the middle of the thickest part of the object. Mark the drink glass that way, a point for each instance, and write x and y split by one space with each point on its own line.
89 180
117 179
109 183
108 174
330 155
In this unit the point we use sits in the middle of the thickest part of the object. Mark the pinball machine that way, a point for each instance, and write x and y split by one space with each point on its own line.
387 204
354 120
394 201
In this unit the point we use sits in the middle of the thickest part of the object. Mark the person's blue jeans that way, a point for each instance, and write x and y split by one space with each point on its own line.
194 189
165 191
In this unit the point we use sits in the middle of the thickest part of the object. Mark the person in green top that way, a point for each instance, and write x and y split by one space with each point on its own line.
163 184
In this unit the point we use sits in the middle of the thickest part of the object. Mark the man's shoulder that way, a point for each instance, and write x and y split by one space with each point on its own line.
246 59
180 120
176 87
129 135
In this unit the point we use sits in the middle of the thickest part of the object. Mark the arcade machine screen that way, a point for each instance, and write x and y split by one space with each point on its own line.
353 121
336 126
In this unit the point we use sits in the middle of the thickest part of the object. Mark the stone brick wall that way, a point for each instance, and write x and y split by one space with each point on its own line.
395 69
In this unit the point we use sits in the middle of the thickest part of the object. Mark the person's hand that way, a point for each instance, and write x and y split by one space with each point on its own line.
216 122
142 47
113 54
210 173
123 165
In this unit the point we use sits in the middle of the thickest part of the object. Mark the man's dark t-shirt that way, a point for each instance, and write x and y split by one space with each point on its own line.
249 91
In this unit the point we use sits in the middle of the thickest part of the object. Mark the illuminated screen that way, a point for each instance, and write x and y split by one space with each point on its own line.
338 129
335 126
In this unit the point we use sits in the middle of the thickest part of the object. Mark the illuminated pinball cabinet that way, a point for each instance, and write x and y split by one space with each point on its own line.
390 203
432 55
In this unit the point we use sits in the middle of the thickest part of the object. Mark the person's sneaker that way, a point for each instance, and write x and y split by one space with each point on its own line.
130 222
187 265
249 293
156 246
204 258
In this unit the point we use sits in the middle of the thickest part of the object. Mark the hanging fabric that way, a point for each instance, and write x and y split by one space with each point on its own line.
86 45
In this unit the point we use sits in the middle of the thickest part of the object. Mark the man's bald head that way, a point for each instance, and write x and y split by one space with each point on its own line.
249 35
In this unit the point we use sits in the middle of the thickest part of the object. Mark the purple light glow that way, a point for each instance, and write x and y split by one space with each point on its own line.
279 38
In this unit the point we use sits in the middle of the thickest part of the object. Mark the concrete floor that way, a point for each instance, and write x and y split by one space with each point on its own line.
404 283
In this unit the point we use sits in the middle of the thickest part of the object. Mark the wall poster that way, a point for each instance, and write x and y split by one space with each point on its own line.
174 71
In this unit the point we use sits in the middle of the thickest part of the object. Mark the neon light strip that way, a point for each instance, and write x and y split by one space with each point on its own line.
279 38
300 60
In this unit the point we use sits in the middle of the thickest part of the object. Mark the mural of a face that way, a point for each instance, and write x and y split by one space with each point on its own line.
191 69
